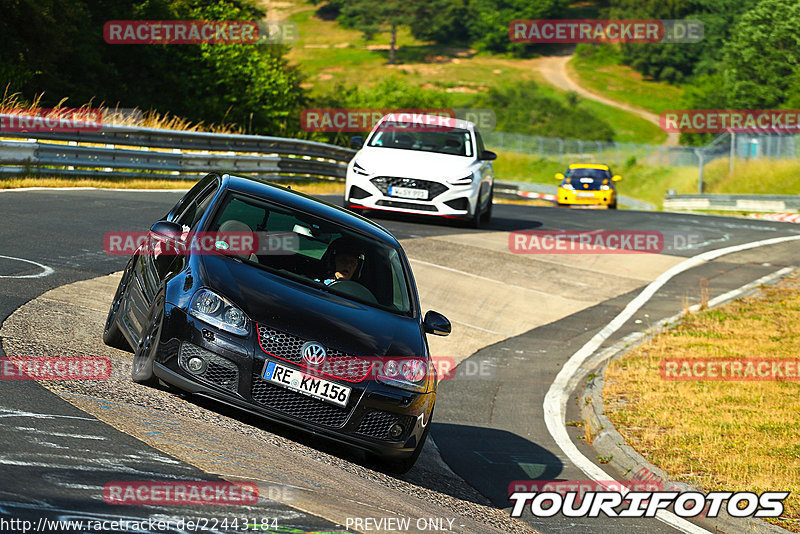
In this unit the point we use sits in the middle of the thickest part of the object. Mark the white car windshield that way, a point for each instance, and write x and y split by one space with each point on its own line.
454 141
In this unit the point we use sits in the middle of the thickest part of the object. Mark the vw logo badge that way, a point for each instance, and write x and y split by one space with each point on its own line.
313 353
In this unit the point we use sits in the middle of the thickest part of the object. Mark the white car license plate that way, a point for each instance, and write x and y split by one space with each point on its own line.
585 194
408 192
306 384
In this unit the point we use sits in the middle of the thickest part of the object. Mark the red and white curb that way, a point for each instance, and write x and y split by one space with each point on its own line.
543 196
782 217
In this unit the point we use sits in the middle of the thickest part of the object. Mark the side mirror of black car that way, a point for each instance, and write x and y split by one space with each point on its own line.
488 155
437 324
167 229
357 141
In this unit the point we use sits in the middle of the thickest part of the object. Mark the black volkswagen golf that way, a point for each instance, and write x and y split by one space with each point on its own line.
323 332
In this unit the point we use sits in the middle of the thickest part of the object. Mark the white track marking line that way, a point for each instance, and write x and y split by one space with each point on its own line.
555 402
46 271
473 275
477 328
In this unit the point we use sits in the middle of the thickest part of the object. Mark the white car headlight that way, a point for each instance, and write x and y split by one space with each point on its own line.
218 311
568 186
361 171
462 181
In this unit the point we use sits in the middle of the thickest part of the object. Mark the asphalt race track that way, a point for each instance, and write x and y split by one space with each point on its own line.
58 450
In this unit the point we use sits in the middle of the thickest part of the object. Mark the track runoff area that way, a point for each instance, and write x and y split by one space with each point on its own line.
619 499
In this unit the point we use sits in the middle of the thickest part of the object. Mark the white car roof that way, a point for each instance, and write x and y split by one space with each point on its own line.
401 117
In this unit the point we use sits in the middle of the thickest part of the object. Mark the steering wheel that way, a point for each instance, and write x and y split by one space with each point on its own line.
354 289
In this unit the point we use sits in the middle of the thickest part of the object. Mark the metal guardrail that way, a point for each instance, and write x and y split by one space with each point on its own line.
117 150
719 202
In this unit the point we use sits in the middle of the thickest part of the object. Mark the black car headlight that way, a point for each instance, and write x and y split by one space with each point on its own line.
218 311
405 373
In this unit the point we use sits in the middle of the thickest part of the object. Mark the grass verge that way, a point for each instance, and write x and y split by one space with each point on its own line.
718 435
598 68
628 128
763 176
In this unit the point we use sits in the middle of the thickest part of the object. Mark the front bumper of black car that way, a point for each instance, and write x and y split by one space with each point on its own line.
233 375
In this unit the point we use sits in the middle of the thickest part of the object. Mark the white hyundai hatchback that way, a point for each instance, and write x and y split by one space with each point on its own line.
423 165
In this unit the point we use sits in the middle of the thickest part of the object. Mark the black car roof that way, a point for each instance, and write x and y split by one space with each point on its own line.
302 202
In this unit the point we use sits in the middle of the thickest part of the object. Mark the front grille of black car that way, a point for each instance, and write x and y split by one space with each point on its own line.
406 205
337 363
219 370
376 424
383 183
297 405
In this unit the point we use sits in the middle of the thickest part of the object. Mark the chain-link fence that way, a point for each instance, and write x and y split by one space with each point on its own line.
740 145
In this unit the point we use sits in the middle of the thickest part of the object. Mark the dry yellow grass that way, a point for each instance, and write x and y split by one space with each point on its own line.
114 115
718 435
309 187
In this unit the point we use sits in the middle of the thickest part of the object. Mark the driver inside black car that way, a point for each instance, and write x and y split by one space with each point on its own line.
344 261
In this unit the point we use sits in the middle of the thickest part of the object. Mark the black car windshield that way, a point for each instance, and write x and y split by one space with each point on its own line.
317 252
597 174
454 141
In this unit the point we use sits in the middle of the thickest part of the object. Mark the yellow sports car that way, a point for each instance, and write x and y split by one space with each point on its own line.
588 184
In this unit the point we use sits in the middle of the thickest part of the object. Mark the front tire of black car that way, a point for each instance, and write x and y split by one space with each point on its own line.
112 335
142 368
404 465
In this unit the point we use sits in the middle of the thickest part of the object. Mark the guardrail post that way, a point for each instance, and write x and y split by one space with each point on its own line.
700 173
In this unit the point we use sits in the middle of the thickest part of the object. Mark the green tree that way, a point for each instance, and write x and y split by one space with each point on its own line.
56 47
762 57
488 20
760 65
679 62
372 18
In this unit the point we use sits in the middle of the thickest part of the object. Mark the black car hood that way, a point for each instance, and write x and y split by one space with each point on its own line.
311 314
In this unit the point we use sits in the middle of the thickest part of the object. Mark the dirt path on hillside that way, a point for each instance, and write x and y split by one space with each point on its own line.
555 71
